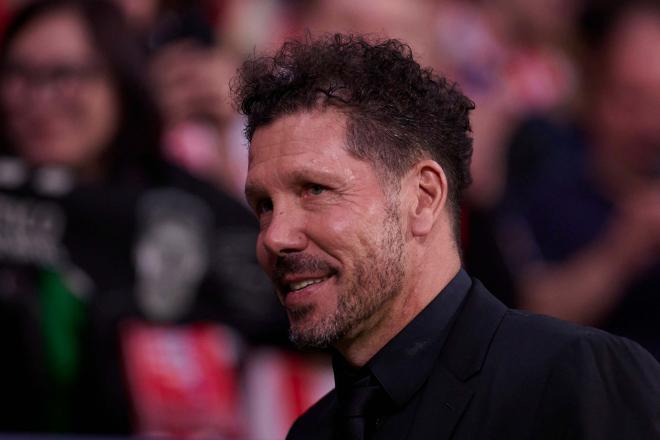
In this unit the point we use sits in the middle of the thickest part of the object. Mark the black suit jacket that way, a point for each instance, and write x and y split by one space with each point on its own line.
506 374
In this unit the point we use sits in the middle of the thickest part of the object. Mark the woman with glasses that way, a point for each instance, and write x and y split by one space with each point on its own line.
72 91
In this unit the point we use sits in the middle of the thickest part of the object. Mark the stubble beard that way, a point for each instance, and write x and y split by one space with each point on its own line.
376 279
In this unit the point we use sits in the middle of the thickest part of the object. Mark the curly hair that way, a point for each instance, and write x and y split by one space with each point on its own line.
397 112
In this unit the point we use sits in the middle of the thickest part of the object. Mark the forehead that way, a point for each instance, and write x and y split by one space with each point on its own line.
318 135
59 35
305 147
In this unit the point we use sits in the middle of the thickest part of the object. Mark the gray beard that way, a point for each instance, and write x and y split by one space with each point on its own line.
377 279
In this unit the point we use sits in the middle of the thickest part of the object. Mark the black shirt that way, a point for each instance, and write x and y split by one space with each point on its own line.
403 365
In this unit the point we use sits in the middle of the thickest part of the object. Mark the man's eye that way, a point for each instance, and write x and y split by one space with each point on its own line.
315 189
263 206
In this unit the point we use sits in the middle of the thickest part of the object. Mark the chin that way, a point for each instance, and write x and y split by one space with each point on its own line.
308 333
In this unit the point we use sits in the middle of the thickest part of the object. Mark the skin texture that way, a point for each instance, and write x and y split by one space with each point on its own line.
325 215
69 123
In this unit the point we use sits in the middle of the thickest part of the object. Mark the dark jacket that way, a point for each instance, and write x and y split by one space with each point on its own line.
506 374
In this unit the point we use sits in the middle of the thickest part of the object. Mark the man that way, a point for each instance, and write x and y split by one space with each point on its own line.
358 157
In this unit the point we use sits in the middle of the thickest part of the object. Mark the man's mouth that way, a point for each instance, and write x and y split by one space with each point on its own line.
300 285
296 276
298 291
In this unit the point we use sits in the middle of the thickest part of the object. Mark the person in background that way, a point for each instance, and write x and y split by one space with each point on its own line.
516 59
579 226
118 270
190 67
387 18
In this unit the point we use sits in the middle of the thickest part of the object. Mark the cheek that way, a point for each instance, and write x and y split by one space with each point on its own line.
99 116
340 233
91 123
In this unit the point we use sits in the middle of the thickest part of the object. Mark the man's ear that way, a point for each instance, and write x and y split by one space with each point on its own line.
430 196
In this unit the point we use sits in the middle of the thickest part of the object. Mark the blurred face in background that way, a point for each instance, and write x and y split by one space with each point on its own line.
540 20
59 101
626 111
140 13
410 21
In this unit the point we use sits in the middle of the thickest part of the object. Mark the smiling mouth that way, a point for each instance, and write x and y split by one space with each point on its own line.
300 285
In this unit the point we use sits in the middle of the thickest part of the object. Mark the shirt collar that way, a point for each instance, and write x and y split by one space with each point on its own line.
411 353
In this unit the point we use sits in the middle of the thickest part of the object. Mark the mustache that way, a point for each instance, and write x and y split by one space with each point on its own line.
299 263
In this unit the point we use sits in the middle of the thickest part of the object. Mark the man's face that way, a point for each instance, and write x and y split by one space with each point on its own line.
330 234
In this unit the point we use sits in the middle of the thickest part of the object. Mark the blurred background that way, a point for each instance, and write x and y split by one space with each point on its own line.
131 303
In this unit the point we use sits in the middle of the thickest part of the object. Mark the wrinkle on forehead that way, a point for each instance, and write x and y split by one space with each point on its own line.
300 167
305 147
296 133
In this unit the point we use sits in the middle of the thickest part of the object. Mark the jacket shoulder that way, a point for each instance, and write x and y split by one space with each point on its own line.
544 334
605 386
316 422
553 378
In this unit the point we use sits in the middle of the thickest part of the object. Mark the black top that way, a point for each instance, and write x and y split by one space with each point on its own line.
403 365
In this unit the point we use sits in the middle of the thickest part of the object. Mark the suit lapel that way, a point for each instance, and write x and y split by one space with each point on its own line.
449 389
439 411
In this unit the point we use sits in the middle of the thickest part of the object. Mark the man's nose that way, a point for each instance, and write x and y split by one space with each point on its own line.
285 233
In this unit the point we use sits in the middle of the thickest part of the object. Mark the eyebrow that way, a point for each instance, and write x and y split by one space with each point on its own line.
311 173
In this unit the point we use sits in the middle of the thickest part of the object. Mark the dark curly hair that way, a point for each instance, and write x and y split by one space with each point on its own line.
397 112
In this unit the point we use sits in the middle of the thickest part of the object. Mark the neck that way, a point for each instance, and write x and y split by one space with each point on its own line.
424 282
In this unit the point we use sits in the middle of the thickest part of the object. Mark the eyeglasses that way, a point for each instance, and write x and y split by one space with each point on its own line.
62 79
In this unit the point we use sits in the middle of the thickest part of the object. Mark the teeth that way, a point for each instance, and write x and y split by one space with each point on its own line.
302 284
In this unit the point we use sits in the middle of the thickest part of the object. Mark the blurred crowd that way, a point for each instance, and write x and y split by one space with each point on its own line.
130 298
